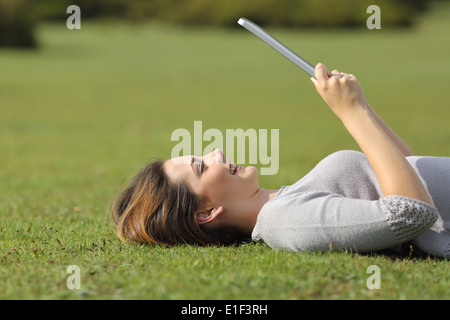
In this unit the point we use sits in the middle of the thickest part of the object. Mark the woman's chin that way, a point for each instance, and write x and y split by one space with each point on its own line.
248 172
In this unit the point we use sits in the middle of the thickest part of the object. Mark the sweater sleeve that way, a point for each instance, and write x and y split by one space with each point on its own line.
322 220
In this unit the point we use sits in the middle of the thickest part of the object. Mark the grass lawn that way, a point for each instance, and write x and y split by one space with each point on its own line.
85 111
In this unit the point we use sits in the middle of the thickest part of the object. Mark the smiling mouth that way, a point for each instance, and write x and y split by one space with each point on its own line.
234 168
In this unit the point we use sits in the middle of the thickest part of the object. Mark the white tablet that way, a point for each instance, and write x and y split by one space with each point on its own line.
277 45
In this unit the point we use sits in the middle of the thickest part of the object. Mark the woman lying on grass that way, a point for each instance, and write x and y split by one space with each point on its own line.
356 201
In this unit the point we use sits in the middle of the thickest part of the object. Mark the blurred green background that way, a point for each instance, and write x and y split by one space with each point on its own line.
18 18
82 110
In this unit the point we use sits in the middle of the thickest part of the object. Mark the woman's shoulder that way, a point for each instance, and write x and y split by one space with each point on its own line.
345 172
344 155
337 160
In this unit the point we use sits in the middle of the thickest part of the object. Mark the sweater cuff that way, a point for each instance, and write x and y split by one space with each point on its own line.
408 217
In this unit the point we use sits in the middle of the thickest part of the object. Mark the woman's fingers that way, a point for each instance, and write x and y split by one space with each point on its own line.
325 79
341 74
335 73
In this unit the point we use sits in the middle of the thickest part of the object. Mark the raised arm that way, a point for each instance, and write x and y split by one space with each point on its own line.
344 95
401 145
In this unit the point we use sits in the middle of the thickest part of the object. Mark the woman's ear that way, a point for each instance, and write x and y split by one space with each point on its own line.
205 216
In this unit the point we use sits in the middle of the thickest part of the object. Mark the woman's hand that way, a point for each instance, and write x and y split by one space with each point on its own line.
342 92
344 96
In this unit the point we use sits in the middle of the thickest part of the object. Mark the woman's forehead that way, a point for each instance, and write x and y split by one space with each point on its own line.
179 168
182 160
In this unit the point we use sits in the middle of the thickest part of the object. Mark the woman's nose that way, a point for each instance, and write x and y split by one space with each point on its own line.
216 156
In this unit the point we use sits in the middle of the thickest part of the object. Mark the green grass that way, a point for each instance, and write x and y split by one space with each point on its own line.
80 115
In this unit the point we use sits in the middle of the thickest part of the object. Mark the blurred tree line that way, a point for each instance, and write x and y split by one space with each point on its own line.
19 17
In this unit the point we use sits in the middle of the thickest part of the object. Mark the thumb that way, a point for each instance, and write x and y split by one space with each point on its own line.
321 72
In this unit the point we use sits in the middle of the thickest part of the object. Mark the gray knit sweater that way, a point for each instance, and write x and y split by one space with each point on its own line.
339 205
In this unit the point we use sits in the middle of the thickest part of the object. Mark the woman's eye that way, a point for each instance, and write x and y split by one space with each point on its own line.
202 167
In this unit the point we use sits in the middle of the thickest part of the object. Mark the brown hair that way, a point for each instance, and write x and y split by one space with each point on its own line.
154 210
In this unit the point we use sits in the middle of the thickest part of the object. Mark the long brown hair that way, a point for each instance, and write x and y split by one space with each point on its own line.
154 210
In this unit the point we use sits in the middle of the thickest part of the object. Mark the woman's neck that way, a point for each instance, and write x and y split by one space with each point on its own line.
250 212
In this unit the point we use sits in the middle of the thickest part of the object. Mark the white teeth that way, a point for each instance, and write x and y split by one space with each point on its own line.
233 168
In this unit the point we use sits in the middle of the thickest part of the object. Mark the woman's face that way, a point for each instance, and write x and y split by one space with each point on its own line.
214 179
